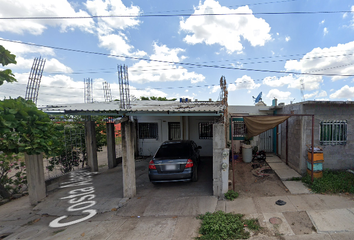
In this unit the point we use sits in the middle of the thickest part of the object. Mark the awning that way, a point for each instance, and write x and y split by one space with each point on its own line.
258 124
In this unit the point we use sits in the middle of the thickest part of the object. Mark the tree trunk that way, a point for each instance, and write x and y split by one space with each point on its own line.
4 193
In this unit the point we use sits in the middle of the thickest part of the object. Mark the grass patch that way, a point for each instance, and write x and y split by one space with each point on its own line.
295 179
331 182
231 195
221 225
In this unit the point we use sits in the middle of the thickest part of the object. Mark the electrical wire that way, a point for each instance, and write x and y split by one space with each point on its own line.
182 63
179 15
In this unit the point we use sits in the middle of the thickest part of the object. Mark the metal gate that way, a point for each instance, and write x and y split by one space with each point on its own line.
266 141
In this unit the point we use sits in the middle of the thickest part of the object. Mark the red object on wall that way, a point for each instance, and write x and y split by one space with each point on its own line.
117 130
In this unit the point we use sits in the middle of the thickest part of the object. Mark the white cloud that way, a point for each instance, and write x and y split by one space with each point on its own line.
113 7
275 93
325 31
316 95
278 82
25 60
226 31
322 22
118 45
245 82
43 8
51 66
309 82
333 60
61 89
22 49
53 89
215 89
151 71
287 38
345 92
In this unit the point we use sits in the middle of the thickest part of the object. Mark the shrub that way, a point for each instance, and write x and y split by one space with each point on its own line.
331 182
231 195
221 225
11 183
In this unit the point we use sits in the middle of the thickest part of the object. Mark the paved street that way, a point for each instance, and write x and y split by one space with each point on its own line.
168 211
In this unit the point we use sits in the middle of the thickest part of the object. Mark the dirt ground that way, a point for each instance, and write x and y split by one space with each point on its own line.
249 185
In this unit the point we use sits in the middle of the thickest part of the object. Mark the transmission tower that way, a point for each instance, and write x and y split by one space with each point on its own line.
34 80
123 81
107 92
88 90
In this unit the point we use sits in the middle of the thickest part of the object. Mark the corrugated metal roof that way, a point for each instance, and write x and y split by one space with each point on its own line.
141 107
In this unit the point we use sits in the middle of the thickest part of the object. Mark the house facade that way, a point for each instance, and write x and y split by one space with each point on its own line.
154 130
333 132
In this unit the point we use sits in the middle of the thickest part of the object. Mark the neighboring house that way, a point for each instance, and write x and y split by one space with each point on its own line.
263 141
333 132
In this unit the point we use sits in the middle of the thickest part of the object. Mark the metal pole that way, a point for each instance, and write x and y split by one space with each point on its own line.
232 155
286 142
312 146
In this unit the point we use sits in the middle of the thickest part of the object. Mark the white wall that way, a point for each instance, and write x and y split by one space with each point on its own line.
206 144
189 131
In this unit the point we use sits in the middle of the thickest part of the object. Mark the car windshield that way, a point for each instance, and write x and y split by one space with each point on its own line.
175 150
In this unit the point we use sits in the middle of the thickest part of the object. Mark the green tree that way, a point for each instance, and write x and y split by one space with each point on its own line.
157 98
23 128
70 130
5 59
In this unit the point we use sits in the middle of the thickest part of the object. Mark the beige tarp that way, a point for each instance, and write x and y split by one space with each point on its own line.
260 124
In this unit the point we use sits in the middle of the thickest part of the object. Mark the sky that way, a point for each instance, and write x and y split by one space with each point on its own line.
292 50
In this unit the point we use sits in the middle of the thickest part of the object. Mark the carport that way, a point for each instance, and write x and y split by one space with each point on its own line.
129 135
257 124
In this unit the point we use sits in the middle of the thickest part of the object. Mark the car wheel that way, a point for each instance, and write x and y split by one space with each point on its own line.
195 173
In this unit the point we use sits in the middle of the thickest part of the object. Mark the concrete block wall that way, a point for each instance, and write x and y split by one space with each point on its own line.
335 156
295 137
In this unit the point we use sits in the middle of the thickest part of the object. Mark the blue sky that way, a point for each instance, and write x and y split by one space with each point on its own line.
259 52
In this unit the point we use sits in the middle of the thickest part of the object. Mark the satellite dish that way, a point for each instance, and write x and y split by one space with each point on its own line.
258 98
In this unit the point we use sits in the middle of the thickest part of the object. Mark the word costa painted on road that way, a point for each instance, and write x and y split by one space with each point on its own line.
81 198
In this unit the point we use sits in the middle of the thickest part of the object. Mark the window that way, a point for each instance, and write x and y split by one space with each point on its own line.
148 131
239 129
205 130
174 131
333 132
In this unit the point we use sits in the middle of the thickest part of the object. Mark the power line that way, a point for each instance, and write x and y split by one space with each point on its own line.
179 15
181 63
232 6
154 67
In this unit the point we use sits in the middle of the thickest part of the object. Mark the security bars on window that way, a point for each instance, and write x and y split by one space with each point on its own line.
148 131
205 130
239 129
333 132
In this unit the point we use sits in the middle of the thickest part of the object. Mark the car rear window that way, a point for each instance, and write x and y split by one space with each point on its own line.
176 150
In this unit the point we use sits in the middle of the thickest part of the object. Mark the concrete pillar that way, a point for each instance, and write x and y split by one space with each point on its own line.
111 145
91 147
128 161
218 156
35 178
225 171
